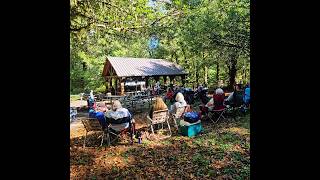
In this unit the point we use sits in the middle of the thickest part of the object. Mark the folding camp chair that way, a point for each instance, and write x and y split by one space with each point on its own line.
91 124
159 117
237 111
235 106
117 134
216 114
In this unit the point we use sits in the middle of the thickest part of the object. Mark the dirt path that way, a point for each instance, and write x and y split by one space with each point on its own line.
76 127
78 103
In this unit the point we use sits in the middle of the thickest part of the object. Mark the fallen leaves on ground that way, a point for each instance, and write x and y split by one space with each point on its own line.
221 152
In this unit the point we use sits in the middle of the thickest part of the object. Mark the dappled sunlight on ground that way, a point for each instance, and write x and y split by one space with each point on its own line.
221 152
239 131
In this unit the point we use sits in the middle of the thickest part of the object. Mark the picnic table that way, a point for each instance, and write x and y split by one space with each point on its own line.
130 93
113 97
134 102
138 102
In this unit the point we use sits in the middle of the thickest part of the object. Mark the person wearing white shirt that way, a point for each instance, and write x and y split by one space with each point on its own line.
180 102
118 113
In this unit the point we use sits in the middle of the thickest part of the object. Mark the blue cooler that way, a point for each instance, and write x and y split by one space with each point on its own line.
191 125
191 130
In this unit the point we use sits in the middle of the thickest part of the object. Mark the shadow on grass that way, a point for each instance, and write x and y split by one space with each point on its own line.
218 153
179 159
93 140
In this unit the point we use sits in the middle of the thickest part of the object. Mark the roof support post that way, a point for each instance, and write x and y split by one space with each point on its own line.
156 78
165 79
116 91
122 81
183 78
172 79
110 82
147 81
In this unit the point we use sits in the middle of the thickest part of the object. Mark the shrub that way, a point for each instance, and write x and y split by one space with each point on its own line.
101 89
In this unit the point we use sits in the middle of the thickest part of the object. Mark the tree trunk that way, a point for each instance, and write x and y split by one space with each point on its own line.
232 70
197 75
232 75
84 66
82 84
217 72
205 70
185 58
116 93
205 75
177 61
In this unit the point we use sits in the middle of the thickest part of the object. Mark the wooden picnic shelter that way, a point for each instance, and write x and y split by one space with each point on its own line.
118 70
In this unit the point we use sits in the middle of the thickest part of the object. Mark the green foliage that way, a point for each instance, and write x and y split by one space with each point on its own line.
74 97
200 160
194 34
101 89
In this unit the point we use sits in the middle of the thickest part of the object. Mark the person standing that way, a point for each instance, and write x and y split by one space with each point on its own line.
246 97
157 87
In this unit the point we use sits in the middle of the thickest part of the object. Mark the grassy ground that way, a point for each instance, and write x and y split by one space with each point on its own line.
74 97
221 152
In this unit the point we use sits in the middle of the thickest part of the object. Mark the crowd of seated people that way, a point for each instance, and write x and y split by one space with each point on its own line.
218 101
106 117
215 103
237 98
118 118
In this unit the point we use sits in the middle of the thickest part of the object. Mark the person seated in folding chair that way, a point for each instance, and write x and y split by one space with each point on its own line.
235 101
169 95
99 114
178 108
119 120
218 99
204 108
180 102
158 107
218 108
96 112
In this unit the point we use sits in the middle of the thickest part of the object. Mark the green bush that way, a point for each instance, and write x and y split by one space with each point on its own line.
101 89
76 91
74 97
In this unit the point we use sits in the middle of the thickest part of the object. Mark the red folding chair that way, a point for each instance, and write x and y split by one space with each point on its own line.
218 110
